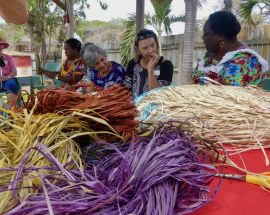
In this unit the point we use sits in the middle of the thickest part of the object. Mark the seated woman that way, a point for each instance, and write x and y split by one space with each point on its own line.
8 71
73 69
227 60
148 70
101 73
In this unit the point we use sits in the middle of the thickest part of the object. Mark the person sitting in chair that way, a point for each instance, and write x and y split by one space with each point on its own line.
8 72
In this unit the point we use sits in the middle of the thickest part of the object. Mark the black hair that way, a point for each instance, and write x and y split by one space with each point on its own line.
225 24
74 44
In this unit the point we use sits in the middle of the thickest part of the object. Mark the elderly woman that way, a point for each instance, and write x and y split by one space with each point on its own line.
101 73
8 72
148 70
73 69
227 60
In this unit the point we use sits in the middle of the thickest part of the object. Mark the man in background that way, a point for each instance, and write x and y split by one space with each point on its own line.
14 11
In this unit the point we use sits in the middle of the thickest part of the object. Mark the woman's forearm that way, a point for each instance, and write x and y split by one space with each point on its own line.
152 82
13 74
14 12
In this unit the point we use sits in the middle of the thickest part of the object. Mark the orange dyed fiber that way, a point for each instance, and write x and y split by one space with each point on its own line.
114 105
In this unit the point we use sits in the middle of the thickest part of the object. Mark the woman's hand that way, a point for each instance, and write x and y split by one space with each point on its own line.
153 62
2 78
90 87
73 79
152 82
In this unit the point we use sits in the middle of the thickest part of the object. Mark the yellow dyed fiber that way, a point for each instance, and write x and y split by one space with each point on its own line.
22 131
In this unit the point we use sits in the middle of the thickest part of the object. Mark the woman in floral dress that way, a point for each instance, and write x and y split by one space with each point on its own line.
227 60
73 69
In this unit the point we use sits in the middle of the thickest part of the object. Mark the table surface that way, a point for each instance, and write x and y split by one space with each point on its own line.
237 197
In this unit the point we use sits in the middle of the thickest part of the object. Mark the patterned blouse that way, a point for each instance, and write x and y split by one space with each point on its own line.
237 68
76 67
137 77
115 76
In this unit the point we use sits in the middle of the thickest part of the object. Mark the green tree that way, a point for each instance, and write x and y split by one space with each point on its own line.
46 21
162 19
246 9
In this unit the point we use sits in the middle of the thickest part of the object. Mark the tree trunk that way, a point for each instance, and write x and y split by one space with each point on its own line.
139 15
70 9
228 5
33 42
160 41
184 75
43 42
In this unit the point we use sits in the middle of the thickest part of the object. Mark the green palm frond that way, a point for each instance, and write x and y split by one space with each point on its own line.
246 7
127 39
201 2
172 19
162 9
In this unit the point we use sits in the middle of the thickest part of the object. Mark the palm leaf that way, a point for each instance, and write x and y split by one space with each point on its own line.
127 39
201 2
245 9
172 19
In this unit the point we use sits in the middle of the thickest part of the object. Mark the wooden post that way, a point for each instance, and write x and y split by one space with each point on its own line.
139 15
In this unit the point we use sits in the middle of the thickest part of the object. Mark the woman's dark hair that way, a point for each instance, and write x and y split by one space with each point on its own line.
74 44
225 24
145 34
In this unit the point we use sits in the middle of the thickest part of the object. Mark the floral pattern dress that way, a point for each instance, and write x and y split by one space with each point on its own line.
237 68
115 76
76 67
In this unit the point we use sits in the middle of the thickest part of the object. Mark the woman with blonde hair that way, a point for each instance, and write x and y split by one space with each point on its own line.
148 70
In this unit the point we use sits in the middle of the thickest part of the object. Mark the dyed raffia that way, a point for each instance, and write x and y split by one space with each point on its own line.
162 175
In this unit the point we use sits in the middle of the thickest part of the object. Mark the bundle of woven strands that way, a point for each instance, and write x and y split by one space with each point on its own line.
114 105
217 114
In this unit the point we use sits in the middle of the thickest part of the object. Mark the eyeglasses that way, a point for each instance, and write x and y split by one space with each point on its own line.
144 35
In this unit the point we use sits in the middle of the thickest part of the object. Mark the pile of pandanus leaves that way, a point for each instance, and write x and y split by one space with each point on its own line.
41 170
114 105
25 130
237 118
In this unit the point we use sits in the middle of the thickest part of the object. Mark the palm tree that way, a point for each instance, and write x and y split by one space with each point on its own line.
161 20
184 75
247 6
139 14
228 5
162 17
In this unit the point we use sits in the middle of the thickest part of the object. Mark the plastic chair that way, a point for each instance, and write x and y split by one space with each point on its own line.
24 81
51 69
266 84
36 82
57 83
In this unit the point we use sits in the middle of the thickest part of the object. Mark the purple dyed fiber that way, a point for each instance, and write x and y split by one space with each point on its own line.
156 176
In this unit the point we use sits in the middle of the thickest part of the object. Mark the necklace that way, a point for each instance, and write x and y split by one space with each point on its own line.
69 68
